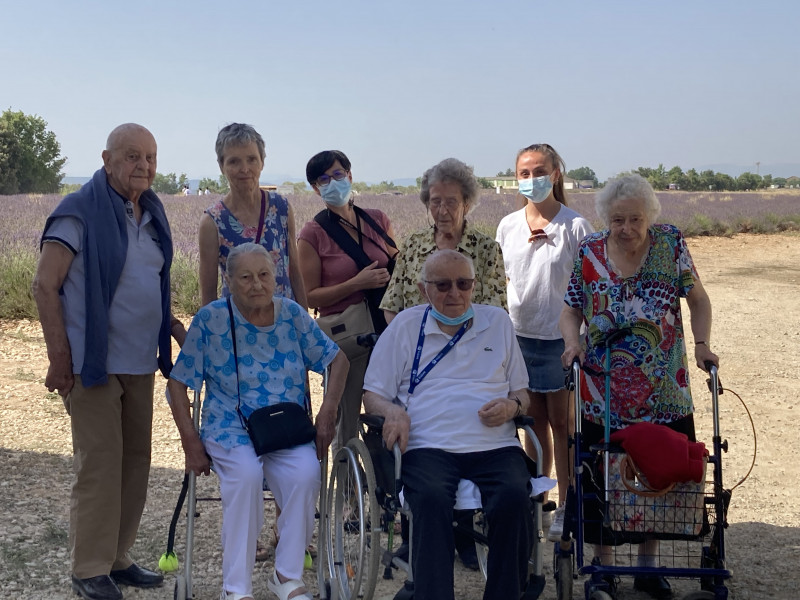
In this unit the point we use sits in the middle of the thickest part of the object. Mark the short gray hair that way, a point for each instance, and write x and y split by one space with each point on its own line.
625 188
455 171
443 255
238 134
248 248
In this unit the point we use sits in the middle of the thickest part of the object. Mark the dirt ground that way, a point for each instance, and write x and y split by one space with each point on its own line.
753 282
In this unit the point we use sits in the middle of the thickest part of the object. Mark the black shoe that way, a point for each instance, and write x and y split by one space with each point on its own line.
101 587
654 585
469 558
137 577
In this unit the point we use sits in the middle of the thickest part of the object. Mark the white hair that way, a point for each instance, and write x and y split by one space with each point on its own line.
626 188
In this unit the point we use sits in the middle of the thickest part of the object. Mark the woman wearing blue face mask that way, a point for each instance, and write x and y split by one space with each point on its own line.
540 243
345 257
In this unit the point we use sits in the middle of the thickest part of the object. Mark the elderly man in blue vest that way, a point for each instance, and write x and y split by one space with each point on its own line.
103 294
449 378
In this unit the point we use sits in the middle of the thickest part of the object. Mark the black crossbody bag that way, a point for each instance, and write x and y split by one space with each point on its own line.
277 427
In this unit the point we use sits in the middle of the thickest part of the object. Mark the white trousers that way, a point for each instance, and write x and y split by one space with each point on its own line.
293 476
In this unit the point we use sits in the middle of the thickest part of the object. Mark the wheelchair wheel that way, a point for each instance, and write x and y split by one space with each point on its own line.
562 570
481 549
354 527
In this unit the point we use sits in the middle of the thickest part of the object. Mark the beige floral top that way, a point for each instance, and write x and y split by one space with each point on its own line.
490 275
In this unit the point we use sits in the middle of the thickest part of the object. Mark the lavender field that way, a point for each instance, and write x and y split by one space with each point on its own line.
696 213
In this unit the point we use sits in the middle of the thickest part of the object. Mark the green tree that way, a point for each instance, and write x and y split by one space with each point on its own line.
214 186
484 183
8 161
508 173
748 181
657 177
165 184
30 155
298 187
693 180
723 181
583 174
183 181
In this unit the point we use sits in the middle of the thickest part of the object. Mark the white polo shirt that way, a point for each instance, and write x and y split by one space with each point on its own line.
485 364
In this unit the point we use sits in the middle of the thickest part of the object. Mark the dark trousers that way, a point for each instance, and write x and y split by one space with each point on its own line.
430 480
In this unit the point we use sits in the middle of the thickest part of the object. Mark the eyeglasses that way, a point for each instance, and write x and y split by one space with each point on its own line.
325 179
445 285
450 204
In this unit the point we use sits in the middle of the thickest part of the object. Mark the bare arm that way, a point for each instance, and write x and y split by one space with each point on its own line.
53 267
570 325
326 417
318 296
208 242
700 316
396 424
295 278
196 457
177 329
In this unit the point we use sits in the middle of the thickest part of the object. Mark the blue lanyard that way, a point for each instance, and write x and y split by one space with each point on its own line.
417 378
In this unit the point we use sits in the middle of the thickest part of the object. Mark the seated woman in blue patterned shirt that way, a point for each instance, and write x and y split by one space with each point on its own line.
276 341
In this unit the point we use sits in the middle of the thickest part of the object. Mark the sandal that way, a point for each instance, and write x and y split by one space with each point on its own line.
282 590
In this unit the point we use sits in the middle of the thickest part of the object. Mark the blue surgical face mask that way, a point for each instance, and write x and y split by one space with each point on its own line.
336 193
452 320
536 189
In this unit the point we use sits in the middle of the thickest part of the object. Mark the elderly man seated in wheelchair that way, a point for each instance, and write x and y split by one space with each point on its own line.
448 378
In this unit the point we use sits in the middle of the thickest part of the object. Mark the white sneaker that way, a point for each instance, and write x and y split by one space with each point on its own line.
557 526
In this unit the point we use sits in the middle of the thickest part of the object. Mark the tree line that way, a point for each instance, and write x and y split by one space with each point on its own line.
31 162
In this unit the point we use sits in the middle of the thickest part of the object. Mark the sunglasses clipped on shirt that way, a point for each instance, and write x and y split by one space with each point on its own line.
445 285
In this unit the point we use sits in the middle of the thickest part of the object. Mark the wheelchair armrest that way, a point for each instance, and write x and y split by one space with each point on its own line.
522 421
371 420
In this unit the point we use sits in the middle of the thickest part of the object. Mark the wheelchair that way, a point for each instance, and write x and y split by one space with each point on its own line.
184 583
363 501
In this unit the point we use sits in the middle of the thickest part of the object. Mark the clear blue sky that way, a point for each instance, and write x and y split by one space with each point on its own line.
400 85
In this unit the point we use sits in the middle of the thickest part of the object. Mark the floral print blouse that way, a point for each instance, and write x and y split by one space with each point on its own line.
650 376
490 275
271 367
275 238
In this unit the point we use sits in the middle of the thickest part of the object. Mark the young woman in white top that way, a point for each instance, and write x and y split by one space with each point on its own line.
539 243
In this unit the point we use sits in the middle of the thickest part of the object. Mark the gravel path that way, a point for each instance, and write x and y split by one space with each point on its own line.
753 284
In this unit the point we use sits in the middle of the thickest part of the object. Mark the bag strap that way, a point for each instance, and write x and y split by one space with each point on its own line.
364 215
337 233
260 231
354 250
236 364
628 470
